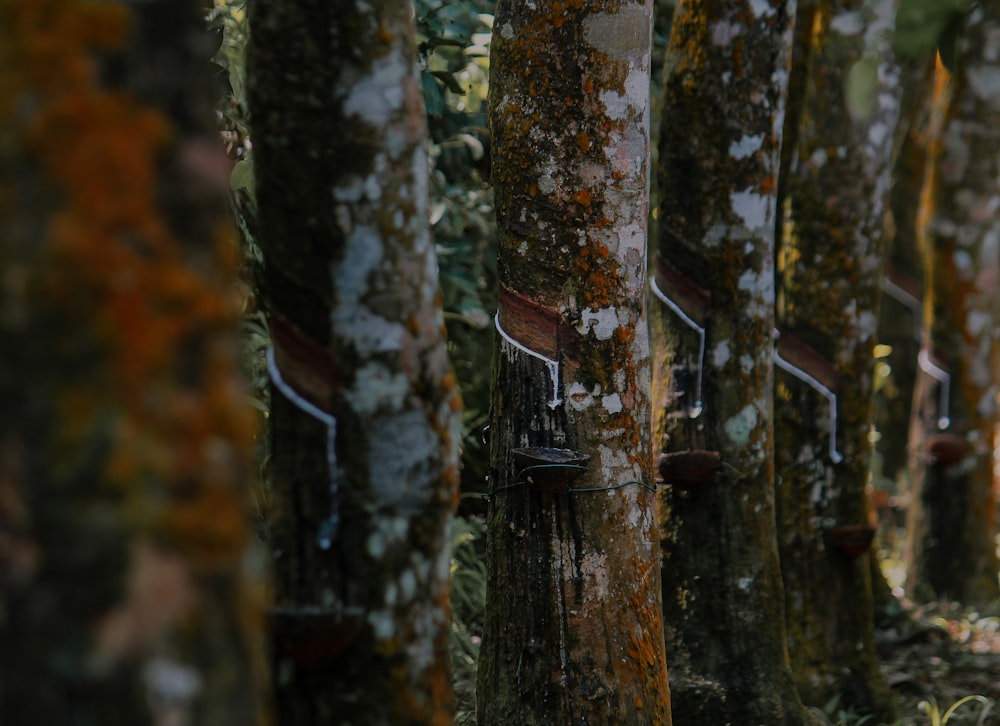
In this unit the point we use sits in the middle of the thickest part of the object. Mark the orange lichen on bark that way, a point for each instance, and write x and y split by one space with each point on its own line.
149 303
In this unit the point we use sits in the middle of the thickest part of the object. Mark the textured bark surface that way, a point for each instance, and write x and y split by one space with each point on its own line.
952 516
901 312
124 445
720 136
830 269
573 622
365 413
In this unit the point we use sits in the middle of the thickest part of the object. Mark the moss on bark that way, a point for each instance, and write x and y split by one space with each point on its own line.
573 623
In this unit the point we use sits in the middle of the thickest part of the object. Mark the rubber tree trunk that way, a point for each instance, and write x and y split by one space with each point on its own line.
901 313
365 410
125 440
720 136
830 270
572 628
952 516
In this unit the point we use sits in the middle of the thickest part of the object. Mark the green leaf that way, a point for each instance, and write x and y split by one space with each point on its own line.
449 81
433 97
242 176
861 88
921 24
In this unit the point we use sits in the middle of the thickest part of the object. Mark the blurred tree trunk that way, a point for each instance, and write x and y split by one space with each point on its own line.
124 448
365 411
830 269
720 136
901 312
573 628
952 515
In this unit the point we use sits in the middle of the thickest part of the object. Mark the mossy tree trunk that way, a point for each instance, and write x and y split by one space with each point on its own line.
830 269
365 410
952 516
572 629
901 312
719 144
125 440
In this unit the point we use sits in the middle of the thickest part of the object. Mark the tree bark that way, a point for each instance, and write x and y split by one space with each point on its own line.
572 628
125 444
720 137
952 516
830 270
901 313
365 413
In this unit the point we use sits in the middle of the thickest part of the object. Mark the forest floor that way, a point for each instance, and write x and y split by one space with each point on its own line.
939 654
934 655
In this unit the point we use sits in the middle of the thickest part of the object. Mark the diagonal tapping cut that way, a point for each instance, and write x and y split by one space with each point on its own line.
906 291
696 300
316 369
943 377
539 332
802 362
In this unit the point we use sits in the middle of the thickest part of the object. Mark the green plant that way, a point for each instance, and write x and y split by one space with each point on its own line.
931 709
468 599
833 715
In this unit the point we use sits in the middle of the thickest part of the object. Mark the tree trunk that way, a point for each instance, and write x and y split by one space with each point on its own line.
364 420
901 313
125 444
573 628
830 267
723 605
952 516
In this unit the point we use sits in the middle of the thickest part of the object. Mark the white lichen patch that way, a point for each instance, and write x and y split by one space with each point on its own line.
368 332
628 155
546 182
723 32
637 88
744 583
747 146
740 426
400 451
754 209
602 322
720 354
612 403
624 34
383 624
631 237
761 9
407 586
377 388
594 568
613 463
984 80
760 287
848 24
390 531
378 96
579 398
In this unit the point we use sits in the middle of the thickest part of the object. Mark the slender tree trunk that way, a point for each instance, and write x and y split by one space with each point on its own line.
365 419
723 603
830 267
901 313
952 516
124 445
573 628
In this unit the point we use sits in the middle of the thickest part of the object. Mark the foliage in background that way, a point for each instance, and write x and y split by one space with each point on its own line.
468 595
454 39
925 25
